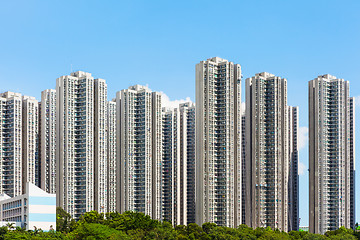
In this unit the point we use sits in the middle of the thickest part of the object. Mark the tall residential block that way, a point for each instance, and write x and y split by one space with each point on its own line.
139 154
100 145
178 187
331 155
11 143
187 117
243 175
170 166
352 163
30 142
111 155
267 152
81 154
218 142
19 140
48 140
293 201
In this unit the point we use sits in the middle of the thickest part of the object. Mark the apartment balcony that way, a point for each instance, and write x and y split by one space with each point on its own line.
8 155
8 135
7 150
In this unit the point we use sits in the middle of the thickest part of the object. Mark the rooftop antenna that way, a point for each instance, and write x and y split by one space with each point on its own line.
71 68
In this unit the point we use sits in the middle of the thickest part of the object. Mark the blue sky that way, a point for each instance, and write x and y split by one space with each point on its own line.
159 42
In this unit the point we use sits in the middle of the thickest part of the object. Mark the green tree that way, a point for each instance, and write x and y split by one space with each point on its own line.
341 233
92 217
3 232
312 236
297 234
208 227
64 221
131 221
181 229
194 231
163 231
96 231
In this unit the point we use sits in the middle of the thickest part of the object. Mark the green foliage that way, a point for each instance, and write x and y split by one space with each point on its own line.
64 221
163 231
21 234
135 225
96 231
92 217
3 232
208 227
129 221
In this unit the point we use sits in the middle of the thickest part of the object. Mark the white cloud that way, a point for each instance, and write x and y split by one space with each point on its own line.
243 107
303 136
166 102
357 101
301 168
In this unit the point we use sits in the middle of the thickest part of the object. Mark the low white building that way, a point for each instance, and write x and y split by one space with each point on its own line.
35 208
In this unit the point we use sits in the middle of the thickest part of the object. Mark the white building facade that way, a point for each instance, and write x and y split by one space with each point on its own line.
139 135
19 142
30 144
81 154
267 152
178 204
101 145
34 209
218 142
331 154
48 140
11 143
187 127
111 151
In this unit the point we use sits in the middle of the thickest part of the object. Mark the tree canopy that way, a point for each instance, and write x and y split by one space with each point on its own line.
135 225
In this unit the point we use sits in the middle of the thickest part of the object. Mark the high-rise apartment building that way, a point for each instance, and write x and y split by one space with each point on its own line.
293 192
268 144
11 143
111 155
243 175
30 142
187 117
19 140
178 187
171 197
100 145
81 154
218 142
139 135
170 141
352 163
48 140
331 154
